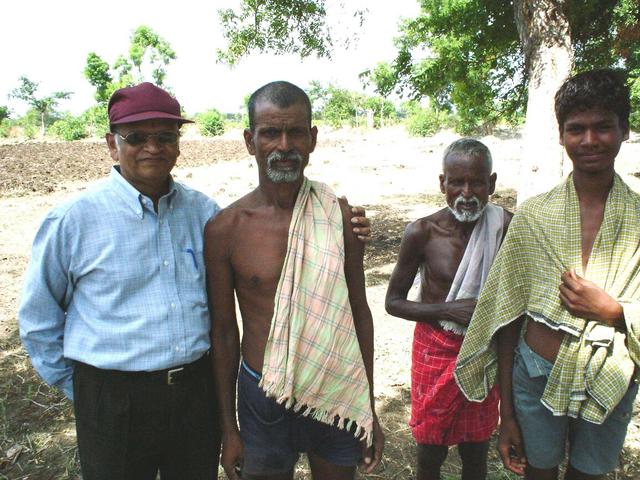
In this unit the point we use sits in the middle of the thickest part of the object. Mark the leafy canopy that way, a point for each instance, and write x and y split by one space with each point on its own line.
27 93
44 106
148 56
465 55
279 26
4 112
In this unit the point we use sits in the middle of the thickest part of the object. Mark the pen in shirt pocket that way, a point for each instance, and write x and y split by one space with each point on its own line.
193 256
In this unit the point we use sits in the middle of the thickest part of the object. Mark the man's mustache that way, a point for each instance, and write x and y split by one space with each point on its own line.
280 156
473 201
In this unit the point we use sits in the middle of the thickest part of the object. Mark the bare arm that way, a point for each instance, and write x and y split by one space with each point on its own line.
510 444
396 303
225 337
363 322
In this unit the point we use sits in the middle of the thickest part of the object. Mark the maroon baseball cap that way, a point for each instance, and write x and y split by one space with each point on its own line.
143 102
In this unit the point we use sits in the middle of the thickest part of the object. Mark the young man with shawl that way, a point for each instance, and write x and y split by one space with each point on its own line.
558 321
451 250
305 383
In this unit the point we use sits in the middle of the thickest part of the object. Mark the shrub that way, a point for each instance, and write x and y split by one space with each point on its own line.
69 128
424 122
96 120
30 131
211 123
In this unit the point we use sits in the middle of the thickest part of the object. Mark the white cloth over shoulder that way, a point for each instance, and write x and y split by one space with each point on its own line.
475 264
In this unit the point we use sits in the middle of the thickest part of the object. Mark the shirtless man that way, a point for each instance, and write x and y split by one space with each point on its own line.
567 276
435 245
245 249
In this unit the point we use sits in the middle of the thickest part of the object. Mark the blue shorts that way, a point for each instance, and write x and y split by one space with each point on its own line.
593 449
273 437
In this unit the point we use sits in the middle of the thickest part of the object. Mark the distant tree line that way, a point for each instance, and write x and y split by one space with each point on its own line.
147 59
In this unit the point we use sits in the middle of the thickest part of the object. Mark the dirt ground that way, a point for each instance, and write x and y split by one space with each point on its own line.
394 176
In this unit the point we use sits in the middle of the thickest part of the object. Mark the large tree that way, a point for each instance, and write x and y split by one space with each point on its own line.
43 105
148 56
283 26
383 79
487 59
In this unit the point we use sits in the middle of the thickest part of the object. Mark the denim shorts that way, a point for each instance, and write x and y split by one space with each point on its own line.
593 449
273 436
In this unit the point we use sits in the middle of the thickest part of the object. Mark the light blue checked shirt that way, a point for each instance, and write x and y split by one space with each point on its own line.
115 285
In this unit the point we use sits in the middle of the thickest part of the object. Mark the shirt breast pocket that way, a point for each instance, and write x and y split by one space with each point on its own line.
192 272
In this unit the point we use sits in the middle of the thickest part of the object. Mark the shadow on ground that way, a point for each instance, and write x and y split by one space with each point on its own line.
36 422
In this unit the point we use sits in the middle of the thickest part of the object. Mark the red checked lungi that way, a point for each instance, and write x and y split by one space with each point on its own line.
440 414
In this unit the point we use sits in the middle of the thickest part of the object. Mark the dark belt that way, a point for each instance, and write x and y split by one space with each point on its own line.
168 376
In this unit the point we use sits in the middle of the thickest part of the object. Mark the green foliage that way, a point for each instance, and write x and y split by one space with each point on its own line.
211 123
146 44
30 131
45 106
384 111
280 26
147 58
466 54
69 128
423 121
96 120
382 77
338 106
630 41
97 72
4 113
634 118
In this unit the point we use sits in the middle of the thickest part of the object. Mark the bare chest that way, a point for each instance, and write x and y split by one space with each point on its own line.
441 258
258 253
590 223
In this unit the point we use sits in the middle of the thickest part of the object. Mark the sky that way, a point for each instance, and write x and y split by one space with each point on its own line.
48 42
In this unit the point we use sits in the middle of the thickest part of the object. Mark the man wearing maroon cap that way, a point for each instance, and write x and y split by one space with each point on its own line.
114 309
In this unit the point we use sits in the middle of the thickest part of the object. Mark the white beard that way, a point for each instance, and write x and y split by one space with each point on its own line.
283 176
467 215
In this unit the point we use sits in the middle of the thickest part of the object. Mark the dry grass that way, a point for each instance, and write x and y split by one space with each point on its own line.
37 434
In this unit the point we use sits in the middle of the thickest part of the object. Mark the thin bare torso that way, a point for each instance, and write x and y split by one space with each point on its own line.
543 340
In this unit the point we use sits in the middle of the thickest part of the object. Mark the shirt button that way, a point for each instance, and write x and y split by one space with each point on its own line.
177 349
165 263
173 305
161 222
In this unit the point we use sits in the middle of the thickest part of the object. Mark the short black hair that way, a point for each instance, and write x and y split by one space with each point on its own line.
468 147
604 89
282 94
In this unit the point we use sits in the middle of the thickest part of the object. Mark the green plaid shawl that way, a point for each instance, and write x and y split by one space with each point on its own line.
594 365
312 361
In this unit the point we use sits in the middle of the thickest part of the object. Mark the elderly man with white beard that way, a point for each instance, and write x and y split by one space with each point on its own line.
451 252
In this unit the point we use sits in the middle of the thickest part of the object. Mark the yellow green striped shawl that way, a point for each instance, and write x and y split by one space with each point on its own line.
594 365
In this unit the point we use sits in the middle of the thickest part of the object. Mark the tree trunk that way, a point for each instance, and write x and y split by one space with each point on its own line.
42 129
545 36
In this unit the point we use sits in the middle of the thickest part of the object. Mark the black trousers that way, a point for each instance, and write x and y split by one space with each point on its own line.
130 425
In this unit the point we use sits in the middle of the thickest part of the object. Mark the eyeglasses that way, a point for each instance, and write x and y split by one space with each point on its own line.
135 139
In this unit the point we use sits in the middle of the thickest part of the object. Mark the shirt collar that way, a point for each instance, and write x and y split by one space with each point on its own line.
132 197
